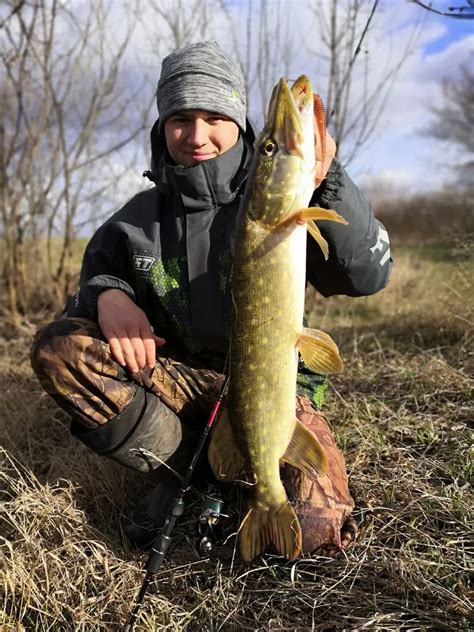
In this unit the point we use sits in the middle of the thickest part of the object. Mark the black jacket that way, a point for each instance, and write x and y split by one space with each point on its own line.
170 247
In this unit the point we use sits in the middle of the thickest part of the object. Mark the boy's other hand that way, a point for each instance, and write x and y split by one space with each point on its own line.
127 330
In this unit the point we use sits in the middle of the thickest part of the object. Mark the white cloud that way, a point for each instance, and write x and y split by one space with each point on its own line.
400 151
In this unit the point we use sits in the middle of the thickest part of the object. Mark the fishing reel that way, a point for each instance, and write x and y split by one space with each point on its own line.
210 524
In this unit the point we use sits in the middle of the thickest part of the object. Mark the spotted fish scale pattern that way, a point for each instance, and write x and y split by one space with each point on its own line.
266 295
168 279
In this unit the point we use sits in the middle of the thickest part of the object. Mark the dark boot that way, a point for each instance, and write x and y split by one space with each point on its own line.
141 526
152 441
142 437
148 438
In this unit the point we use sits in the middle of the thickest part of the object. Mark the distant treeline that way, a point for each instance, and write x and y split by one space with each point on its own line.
445 217
429 217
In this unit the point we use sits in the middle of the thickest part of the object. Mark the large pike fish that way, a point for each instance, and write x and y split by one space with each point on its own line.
259 430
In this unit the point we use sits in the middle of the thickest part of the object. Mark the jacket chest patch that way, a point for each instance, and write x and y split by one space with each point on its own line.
143 263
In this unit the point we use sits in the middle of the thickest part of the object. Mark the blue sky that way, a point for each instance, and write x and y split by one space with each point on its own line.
454 29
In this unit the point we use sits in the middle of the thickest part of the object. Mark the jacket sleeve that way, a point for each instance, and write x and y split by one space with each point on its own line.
104 267
359 254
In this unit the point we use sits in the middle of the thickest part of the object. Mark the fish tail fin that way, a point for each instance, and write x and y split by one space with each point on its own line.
262 527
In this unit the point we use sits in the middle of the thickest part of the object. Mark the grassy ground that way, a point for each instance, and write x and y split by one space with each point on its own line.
400 411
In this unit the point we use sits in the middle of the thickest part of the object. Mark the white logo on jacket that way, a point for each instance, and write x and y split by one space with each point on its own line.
382 239
143 263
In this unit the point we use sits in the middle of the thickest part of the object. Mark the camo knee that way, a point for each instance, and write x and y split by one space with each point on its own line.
183 383
73 363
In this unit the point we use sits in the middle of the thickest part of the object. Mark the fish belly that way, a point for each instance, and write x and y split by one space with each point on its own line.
268 294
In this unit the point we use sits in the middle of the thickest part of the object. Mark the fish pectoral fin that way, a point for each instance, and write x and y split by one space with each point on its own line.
315 233
310 214
319 351
224 456
305 452
259 528
316 212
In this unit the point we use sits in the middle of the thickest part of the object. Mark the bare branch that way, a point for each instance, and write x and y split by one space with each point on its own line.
355 101
62 116
463 12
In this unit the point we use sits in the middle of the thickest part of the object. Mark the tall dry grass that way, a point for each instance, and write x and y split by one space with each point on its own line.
400 411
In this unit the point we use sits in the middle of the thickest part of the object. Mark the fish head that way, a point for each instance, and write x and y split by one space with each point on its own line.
284 162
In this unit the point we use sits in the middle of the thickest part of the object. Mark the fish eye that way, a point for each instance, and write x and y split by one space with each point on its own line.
268 147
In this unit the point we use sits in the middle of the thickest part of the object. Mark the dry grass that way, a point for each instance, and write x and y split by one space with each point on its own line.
401 412
442 215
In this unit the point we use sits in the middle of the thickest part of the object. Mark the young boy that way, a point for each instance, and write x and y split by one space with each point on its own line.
137 358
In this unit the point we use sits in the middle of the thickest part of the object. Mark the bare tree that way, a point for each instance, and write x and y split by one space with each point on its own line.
180 22
453 122
348 48
264 43
64 114
463 11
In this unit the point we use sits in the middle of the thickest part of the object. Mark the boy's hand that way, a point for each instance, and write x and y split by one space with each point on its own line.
127 330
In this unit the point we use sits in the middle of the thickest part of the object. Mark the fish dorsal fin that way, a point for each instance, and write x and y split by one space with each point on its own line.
305 452
224 456
319 351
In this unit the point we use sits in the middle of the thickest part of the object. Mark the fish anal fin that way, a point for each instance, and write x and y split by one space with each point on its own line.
319 351
261 527
224 456
305 452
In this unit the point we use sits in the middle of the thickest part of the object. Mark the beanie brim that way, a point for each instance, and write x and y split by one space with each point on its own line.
223 101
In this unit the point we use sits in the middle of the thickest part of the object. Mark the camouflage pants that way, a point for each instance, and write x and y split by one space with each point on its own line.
73 363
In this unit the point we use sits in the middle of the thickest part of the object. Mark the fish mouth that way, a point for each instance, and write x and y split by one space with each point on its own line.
284 119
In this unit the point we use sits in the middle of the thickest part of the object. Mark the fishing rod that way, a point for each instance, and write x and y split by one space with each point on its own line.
163 540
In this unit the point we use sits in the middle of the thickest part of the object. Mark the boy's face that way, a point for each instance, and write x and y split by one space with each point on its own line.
196 135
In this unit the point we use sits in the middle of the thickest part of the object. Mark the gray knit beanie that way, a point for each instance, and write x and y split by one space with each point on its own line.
202 77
